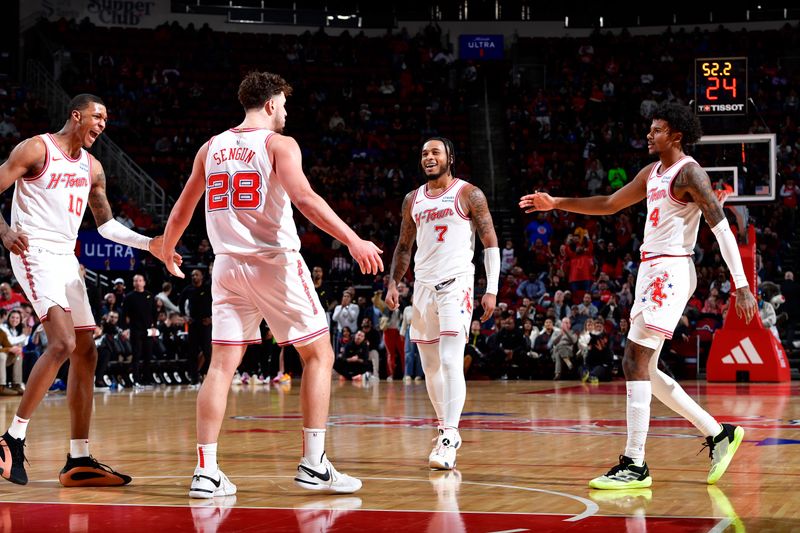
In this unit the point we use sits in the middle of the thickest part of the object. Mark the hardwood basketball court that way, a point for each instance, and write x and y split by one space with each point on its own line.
529 450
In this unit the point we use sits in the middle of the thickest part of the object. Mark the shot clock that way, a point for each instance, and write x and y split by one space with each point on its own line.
720 86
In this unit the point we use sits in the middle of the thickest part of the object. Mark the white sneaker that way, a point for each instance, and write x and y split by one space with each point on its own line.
324 478
205 486
443 455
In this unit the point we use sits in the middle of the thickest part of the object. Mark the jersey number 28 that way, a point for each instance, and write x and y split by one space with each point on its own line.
242 190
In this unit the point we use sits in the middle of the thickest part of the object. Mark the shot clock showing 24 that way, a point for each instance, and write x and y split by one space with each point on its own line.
720 86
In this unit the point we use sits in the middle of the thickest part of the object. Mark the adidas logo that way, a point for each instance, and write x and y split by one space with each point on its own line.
743 354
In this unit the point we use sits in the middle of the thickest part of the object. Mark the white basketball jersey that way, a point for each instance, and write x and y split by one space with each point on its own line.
247 210
48 208
672 224
445 235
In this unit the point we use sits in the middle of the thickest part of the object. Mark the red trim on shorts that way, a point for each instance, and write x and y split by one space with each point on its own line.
29 276
306 290
458 209
643 258
425 190
235 343
667 334
46 164
85 328
419 341
307 337
68 158
449 333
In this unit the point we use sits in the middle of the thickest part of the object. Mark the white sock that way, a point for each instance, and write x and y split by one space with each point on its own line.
671 394
79 448
18 427
434 377
639 394
207 457
451 355
313 445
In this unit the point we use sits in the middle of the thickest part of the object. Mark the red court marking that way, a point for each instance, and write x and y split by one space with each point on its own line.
137 518
715 389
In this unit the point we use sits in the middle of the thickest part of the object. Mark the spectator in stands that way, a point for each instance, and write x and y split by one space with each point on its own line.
164 298
140 317
322 289
354 362
533 287
539 228
508 258
611 310
586 310
541 345
563 345
109 304
345 315
790 193
619 338
195 302
509 350
581 264
599 359
10 299
791 292
10 355
374 339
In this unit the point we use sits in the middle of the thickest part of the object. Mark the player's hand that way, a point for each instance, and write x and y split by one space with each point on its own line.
538 201
746 305
367 255
168 256
15 242
488 302
392 296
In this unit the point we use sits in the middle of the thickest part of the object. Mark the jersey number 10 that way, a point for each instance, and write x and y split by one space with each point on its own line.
242 190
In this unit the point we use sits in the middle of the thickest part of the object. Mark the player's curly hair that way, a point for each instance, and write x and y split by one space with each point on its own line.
258 87
680 119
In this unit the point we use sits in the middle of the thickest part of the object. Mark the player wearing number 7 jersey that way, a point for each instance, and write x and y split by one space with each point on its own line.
55 178
443 216
251 175
678 191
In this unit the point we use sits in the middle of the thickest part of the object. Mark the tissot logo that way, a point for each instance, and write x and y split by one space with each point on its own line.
707 108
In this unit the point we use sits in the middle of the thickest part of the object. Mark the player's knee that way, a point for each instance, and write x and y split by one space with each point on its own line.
61 348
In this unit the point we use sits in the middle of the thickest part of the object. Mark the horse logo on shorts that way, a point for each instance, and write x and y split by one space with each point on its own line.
467 301
656 289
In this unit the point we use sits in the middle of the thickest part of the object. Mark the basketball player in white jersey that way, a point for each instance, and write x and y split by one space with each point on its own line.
443 216
55 179
251 175
678 192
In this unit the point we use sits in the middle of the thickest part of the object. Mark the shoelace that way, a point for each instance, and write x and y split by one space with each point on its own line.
18 454
710 444
100 466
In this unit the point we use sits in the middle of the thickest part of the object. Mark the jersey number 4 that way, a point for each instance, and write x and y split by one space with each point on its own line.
242 190
654 217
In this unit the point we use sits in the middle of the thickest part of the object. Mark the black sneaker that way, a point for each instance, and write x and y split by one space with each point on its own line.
88 472
12 459
625 475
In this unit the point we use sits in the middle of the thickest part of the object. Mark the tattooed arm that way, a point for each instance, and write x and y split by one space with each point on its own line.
110 228
402 252
478 209
693 183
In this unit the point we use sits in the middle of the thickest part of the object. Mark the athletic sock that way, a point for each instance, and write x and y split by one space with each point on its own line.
18 427
638 411
207 457
78 448
313 445
451 355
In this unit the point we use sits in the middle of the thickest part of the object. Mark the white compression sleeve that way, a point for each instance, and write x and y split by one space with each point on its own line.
114 231
730 252
491 262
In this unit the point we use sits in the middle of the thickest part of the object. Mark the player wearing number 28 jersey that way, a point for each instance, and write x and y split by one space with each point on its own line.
251 175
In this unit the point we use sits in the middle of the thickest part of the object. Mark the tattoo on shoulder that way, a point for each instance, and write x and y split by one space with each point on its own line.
98 202
698 185
481 217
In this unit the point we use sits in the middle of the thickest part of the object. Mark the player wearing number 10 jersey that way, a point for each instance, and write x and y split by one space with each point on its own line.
251 175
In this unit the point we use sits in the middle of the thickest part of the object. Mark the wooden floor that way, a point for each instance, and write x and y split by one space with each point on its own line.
529 449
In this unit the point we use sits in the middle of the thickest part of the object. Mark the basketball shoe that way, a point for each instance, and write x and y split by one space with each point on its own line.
625 475
12 459
205 486
721 450
324 478
443 455
88 472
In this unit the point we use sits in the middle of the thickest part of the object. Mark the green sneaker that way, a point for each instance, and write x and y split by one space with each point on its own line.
721 449
625 475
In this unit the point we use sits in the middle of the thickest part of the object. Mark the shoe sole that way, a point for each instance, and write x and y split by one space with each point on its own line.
602 485
202 495
738 435
323 489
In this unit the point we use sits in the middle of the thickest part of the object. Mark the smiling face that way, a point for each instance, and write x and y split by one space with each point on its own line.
91 122
434 159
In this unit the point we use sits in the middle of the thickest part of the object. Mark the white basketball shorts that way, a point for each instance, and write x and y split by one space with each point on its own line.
49 279
275 287
446 310
663 287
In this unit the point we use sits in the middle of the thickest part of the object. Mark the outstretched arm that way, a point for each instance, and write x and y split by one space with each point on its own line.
402 252
633 192
693 181
181 214
288 165
478 209
110 228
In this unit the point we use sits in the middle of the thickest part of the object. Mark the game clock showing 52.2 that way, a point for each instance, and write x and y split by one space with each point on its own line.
720 86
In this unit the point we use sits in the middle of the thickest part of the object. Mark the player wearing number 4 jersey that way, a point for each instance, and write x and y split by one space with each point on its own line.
55 178
678 191
251 175
443 216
